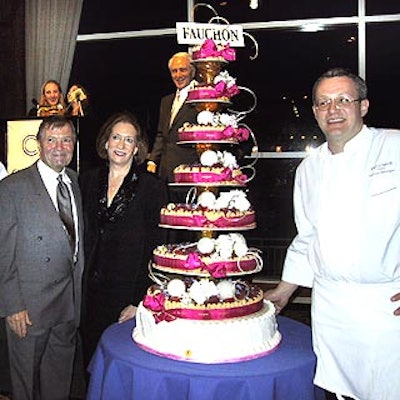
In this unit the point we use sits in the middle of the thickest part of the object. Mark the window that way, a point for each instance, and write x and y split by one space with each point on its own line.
239 11
297 42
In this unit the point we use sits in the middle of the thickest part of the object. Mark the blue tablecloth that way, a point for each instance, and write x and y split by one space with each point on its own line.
121 370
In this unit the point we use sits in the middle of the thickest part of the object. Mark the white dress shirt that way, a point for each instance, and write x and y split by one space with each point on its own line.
3 171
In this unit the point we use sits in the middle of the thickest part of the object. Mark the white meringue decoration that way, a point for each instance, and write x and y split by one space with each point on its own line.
224 246
223 200
196 294
228 120
225 77
228 160
226 289
209 288
240 248
209 158
226 253
206 199
205 245
202 290
205 117
241 203
176 288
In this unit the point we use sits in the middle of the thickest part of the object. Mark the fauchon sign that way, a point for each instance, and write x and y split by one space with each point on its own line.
192 33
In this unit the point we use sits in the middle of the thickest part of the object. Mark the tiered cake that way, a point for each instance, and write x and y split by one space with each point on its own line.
202 307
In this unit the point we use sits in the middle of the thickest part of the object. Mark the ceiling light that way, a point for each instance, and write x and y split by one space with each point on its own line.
312 27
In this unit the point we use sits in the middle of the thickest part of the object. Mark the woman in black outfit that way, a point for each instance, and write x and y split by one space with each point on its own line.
122 203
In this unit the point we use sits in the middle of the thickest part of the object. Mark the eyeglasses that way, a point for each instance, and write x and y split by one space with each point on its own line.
339 102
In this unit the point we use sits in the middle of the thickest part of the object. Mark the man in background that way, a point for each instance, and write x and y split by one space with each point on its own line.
166 154
347 213
5 384
41 265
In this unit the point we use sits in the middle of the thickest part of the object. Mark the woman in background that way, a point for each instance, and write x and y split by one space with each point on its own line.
122 203
51 100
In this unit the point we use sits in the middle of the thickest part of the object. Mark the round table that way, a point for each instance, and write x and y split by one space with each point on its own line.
122 370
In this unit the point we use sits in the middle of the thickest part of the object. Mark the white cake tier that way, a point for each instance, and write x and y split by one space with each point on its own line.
222 341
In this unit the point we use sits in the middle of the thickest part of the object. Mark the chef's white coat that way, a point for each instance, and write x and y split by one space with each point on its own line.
347 213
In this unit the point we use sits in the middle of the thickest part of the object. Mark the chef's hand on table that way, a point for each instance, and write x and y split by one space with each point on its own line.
280 295
19 322
127 313
396 297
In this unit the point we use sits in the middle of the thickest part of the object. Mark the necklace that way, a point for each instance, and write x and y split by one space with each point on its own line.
113 186
116 209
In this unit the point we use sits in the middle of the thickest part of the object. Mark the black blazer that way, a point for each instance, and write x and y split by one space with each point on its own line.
166 153
120 250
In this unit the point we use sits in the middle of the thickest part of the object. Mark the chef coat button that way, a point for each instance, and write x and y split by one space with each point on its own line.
39 238
47 259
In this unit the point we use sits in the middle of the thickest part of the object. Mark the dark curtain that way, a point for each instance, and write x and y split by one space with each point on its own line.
12 64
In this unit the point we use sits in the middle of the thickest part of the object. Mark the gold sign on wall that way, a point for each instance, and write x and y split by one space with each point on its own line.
22 146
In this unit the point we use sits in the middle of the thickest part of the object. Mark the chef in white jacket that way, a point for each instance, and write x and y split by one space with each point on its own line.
347 214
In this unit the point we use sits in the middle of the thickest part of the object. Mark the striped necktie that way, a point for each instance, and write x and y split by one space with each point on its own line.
65 210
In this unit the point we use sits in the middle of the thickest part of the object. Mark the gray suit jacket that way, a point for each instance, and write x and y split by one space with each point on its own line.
37 271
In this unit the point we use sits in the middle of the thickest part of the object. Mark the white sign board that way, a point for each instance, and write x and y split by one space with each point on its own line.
22 146
192 33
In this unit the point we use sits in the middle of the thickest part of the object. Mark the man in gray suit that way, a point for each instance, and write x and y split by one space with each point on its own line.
166 154
41 265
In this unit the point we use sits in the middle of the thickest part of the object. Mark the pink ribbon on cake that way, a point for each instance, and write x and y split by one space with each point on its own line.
223 222
209 49
193 261
221 269
216 314
201 220
240 134
222 90
198 177
242 178
155 303
229 132
216 270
